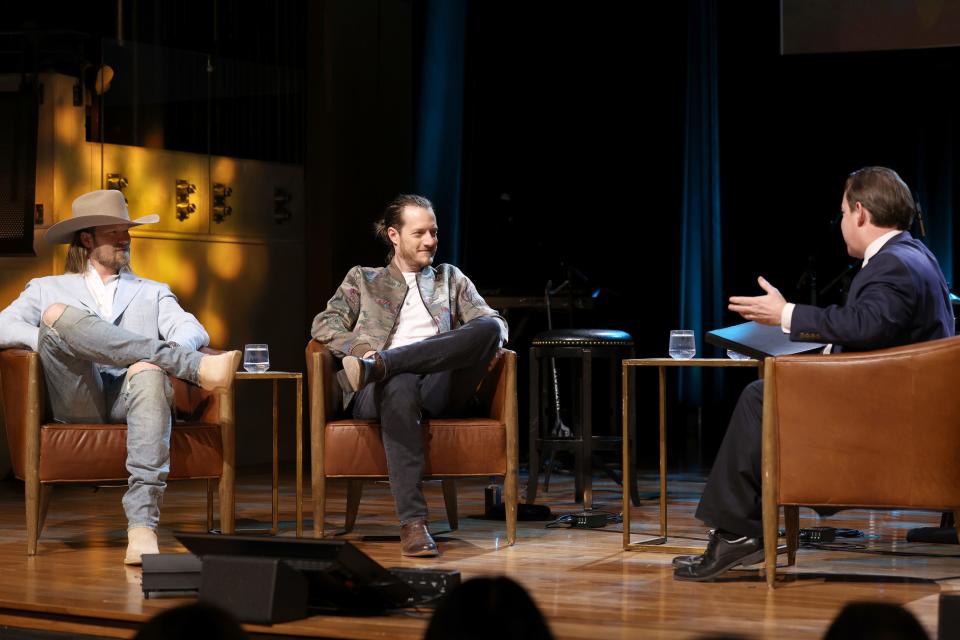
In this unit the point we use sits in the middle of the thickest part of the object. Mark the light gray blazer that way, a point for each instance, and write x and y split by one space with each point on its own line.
142 306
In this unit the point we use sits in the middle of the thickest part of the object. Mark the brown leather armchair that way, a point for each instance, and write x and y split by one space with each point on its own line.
44 453
879 429
455 447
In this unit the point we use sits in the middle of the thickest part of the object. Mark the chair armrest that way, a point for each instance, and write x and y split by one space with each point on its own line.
21 378
323 389
499 385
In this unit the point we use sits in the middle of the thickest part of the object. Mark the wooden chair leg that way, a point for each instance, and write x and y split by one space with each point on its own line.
770 491
511 481
227 502
449 486
209 504
536 408
32 500
38 502
46 490
319 488
510 491
354 492
791 522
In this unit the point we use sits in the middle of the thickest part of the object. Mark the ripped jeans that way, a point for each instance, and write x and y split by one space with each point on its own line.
79 392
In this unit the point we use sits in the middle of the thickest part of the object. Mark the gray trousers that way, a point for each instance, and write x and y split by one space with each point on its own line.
79 392
435 377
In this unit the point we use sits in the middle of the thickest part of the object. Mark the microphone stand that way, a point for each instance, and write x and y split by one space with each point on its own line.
560 430
843 279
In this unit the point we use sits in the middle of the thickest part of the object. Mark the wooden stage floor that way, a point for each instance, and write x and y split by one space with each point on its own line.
585 584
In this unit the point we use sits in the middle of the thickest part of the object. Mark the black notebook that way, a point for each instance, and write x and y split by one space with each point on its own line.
759 341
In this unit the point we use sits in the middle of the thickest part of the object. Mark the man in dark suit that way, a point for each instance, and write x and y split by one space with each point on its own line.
898 297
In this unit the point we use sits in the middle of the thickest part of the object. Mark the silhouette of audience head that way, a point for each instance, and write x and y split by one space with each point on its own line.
198 621
875 621
483 608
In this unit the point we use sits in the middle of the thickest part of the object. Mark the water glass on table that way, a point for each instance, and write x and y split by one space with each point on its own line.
256 358
682 344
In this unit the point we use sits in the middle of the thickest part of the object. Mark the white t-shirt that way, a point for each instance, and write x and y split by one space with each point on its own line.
414 323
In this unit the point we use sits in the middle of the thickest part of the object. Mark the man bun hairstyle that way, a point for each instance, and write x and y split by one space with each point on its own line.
392 216
884 194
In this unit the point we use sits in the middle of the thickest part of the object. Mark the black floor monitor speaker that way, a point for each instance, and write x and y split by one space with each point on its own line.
339 577
254 589
948 623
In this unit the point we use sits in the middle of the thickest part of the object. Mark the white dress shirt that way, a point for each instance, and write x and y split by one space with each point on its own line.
103 292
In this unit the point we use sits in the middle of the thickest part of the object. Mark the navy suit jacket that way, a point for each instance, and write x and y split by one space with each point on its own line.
900 297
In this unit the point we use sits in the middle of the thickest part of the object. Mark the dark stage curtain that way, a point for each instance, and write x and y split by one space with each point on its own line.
934 189
701 282
438 150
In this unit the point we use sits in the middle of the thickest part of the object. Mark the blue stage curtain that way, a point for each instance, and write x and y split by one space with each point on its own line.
701 275
438 147
934 188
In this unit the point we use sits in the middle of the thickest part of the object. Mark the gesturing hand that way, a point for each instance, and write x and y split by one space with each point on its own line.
765 309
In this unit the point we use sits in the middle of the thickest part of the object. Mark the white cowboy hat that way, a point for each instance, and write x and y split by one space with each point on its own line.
95 209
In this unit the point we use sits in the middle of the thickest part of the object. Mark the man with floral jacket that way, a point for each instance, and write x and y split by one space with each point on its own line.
415 340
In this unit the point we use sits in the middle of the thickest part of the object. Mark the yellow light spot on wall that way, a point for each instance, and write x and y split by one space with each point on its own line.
224 170
226 260
216 327
185 283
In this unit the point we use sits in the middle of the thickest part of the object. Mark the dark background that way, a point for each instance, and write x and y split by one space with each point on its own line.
573 140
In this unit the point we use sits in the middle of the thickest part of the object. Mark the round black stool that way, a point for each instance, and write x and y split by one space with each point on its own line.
548 434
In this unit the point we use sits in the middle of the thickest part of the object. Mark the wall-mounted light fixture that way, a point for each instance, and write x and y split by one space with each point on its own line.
281 198
116 181
184 206
220 207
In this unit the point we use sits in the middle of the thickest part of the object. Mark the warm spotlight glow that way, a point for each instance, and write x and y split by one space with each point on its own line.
185 283
216 327
226 260
165 261
223 170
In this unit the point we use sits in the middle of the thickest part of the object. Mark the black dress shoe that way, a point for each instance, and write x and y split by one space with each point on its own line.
722 554
686 561
362 371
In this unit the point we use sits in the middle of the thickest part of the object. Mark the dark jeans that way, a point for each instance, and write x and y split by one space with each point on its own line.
731 499
435 377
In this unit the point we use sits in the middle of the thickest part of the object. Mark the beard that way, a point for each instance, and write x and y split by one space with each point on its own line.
414 257
113 257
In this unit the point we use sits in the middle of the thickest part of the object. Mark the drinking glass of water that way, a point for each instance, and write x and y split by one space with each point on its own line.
682 344
256 358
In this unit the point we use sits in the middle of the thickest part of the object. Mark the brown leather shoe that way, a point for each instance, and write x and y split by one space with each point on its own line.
415 540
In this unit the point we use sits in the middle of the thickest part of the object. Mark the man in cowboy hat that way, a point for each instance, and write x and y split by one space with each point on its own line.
107 340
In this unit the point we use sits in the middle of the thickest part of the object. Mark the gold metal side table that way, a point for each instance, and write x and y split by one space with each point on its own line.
276 376
660 543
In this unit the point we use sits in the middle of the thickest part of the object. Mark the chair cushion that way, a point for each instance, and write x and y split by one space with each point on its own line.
454 447
583 337
97 452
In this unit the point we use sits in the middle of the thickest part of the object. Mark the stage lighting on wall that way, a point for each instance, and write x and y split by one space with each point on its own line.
184 206
281 198
116 181
220 207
